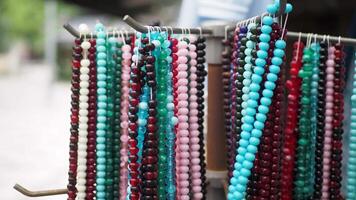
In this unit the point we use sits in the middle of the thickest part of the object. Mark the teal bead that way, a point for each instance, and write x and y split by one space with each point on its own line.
267 93
100 48
279 53
248 59
262 54
100 167
252 148
250 44
252 103
255 132
274 69
100 153
266 101
101 119
101 63
101 70
101 91
242 151
100 188
259 70
259 125
240 158
240 188
280 44
101 77
101 126
101 112
102 98
244 173
100 41
246 127
272 8
229 195
249 119
100 133
254 87
257 79
243 143
263 46
270 85
263 109
268 20
100 194
264 37
101 160
233 181
245 135
248 52
238 195
101 55
99 26
250 111
101 35
247 164
272 77
102 105
277 61
254 141
254 95
247 74
289 8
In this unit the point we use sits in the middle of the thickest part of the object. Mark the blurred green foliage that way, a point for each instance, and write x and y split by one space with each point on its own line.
22 20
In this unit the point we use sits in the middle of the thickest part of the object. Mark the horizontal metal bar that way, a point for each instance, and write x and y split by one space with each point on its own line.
39 193
334 39
144 29
76 33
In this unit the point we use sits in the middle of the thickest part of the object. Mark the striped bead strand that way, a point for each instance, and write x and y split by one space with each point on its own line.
126 62
201 73
290 133
101 112
338 117
319 146
193 126
351 162
83 115
91 154
182 144
73 145
328 123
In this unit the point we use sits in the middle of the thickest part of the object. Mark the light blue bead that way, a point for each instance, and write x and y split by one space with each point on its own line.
263 46
251 25
101 55
254 95
250 44
244 173
99 26
259 125
248 59
248 52
240 188
101 34
277 61
101 84
101 91
233 181
264 37
247 164
100 48
252 103
100 126
263 109
229 195
101 119
101 70
245 135
280 44
101 77
101 112
268 20
272 9
100 42
250 111
100 188
270 85
247 74
279 53
100 133
242 151
289 8
254 141
262 54
237 195
102 105
266 101
251 148
267 93
101 63
259 70
250 156
100 160
255 132
274 69
249 119
257 79
100 153
243 142
100 194
246 127
254 87
100 167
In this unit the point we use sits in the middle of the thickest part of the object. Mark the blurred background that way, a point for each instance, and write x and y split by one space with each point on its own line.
35 54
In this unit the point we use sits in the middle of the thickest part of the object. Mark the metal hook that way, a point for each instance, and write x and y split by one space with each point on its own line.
40 193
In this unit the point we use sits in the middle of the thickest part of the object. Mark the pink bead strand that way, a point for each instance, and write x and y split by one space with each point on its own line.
126 62
182 147
328 123
193 126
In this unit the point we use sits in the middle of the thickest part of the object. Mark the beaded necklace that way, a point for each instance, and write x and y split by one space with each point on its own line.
201 74
126 55
91 154
289 146
328 122
73 145
83 115
101 112
337 132
252 129
319 146
182 145
351 164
